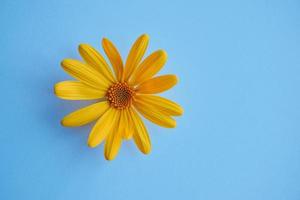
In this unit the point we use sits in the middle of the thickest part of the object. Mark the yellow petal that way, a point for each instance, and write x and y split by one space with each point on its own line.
114 57
135 55
155 116
161 104
140 135
85 115
113 141
103 127
157 84
75 90
128 124
92 57
149 67
85 73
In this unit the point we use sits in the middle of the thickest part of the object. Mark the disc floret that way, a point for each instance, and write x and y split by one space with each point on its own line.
120 95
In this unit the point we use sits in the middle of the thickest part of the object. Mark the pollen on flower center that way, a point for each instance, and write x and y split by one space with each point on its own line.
120 95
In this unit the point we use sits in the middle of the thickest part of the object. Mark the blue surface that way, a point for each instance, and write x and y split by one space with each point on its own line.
239 69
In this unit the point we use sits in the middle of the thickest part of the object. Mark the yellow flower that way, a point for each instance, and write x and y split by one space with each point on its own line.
121 95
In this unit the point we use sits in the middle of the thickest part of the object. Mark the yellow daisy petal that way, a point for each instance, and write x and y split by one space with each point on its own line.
155 116
85 73
113 141
75 90
157 84
140 136
128 124
103 127
114 57
161 104
92 57
85 115
149 67
135 55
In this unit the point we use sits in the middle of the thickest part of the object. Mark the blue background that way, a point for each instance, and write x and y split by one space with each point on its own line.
239 69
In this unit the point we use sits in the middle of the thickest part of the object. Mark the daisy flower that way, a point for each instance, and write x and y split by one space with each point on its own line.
124 92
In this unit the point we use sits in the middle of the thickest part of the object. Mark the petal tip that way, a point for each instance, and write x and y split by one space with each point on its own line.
109 157
172 125
63 123
65 62
181 111
146 151
55 89
67 123
82 46
91 144
145 36
175 78
105 40
162 53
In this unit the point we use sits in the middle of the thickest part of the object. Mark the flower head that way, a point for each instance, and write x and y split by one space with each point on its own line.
122 92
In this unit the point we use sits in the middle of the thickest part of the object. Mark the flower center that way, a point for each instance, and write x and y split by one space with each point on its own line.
120 95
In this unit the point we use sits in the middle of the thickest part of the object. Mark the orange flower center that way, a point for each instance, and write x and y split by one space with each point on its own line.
120 95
